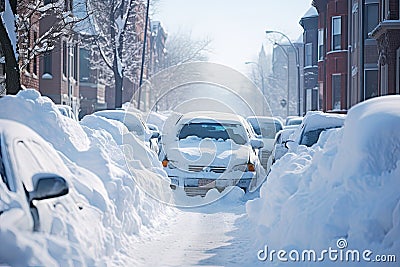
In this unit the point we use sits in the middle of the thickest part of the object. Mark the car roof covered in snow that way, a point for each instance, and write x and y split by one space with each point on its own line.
205 116
130 119
263 119
317 119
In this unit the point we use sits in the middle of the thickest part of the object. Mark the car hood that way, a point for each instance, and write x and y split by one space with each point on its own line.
195 152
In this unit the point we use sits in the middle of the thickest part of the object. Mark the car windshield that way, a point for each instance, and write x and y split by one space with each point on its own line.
267 129
224 131
309 138
295 122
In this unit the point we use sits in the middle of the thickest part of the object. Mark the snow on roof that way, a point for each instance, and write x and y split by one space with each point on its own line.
311 12
317 119
210 116
371 134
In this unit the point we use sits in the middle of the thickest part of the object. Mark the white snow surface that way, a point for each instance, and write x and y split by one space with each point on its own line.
103 175
345 186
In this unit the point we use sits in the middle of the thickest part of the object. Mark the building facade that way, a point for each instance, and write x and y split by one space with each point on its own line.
28 61
387 34
59 68
363 53
309 22
332 53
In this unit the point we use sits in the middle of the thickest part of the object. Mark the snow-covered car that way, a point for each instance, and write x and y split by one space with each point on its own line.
266 128
31 171
135 124
67 111
293 120
207 150
313 124
279 144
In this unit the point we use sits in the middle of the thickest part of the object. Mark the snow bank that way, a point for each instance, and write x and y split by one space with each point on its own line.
103 175
345 187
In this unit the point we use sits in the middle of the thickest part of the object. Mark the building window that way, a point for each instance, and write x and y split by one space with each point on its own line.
308 55
370 83
398 71
309 99
35 65
47 63
336 91
371 18
84 65
320 44
336 33
76 49
65 58
384 80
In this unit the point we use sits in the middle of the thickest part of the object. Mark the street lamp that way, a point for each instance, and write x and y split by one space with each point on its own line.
287 69
260 71
297 64
143 54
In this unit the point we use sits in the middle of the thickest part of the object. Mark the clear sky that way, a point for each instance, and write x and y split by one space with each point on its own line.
236 27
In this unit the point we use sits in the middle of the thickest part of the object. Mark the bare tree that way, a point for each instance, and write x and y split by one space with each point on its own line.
183 48
27 16
117 37
8 46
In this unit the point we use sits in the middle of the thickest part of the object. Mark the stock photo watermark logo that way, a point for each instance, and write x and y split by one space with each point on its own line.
187 102
340 253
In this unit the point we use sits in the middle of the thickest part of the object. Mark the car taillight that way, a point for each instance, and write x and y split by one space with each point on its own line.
250 167
165 163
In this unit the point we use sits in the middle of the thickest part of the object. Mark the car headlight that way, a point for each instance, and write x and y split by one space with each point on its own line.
241 168
169 164
244 167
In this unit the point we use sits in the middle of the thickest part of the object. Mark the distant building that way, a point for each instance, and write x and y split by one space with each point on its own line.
59 68
332 53
387 34
363 52
311 100
30 70
284 75
158 51
91 89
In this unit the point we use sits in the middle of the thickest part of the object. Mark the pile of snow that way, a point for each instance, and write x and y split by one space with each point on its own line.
345 187
111 170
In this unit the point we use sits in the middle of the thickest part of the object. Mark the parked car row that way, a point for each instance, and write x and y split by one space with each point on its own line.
205 150
305 133
34 177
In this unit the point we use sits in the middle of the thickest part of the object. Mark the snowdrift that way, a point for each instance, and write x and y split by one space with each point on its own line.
345 187
105 178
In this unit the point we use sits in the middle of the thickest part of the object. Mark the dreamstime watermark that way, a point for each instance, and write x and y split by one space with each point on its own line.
338 254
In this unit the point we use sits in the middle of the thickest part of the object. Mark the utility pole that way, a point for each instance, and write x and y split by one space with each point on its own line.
143 54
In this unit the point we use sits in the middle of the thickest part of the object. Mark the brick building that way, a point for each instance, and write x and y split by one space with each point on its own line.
59 68
309 22
30 63
332 53
387 34
363 53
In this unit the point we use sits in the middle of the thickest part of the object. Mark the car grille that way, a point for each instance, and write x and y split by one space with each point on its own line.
265 154
197 168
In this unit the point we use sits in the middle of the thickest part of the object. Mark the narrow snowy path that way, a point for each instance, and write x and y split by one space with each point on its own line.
207 236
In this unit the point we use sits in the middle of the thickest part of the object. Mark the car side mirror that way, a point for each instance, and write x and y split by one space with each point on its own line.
256 143
289 144
155 134
49 187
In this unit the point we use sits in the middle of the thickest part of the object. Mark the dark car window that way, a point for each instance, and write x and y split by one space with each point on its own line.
311 137
214 131
2 169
